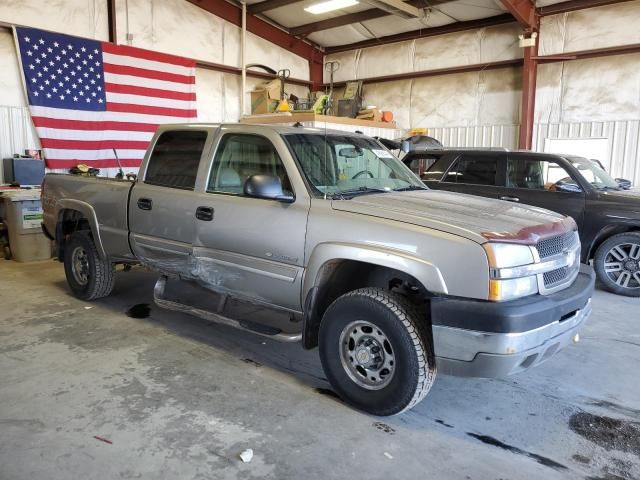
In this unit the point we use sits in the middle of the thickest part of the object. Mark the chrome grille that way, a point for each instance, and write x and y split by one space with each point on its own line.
554 277
556 245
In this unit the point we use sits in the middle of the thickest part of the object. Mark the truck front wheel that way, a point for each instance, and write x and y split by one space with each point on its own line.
376 350
88 275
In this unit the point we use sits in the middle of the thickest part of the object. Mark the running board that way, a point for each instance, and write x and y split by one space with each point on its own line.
265 331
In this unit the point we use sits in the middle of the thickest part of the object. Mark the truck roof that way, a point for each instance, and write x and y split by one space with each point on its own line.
281 129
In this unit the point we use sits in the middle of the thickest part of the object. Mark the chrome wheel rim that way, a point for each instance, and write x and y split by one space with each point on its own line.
366 355
80 265
622 265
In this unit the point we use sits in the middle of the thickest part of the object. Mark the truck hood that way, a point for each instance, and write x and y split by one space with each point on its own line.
476 218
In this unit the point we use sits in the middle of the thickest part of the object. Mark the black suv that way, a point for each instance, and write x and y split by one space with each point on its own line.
608 216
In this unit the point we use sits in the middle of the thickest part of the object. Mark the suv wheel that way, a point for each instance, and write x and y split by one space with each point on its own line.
376 350
617 264
88 275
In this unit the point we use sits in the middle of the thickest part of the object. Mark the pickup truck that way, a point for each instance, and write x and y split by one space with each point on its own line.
324 237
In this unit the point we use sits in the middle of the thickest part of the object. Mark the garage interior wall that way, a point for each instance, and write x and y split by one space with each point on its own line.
171 26
597 97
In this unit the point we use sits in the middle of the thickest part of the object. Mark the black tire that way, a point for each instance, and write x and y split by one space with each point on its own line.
411 346
615 281
96 277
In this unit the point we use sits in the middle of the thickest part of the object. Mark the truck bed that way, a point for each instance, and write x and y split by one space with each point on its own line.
103 200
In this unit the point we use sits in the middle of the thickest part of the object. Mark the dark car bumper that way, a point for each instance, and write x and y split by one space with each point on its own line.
491 339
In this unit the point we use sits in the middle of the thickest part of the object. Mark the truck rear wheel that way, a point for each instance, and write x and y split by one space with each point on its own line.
617 264
88 275
376 350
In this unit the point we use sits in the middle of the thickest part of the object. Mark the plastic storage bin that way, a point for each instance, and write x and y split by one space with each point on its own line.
23 215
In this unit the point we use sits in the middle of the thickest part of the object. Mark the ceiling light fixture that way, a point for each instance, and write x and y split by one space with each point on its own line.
330 6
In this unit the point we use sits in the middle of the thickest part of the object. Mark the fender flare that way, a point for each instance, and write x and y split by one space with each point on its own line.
606 232
89 213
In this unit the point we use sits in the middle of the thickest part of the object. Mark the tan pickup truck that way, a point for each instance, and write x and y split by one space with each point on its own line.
340 246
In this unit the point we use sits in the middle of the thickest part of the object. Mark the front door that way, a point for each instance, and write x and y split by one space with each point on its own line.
475 174
252 247
534 181
162 204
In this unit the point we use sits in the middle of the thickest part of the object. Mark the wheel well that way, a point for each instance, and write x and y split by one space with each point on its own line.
338 277
608 232
69 221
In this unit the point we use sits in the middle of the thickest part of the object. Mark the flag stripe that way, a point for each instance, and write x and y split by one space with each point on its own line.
72 125
130 108
103 163
127 61
57 143
152 74
67 114
146 82
151 101
149 92
147 54
104 134
88 155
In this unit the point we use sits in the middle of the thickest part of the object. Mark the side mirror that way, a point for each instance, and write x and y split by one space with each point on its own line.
623 183
267 187
568 187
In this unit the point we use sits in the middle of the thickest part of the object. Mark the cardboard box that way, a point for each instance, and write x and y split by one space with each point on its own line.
265 97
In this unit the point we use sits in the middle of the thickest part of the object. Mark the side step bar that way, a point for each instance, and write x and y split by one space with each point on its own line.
158 298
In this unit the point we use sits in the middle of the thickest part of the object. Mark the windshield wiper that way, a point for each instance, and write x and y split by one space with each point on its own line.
410 187
346 194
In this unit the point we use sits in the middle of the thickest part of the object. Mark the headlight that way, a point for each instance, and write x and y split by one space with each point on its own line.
511 271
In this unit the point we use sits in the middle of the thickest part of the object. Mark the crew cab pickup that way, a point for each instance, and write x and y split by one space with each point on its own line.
324 237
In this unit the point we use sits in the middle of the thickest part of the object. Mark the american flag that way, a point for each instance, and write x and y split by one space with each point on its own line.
88 97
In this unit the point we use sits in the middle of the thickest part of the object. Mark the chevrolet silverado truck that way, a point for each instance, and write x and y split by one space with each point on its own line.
324 237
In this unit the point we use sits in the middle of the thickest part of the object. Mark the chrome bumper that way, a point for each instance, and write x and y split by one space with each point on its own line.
472 353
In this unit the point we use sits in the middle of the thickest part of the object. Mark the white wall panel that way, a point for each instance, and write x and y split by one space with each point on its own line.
85 18
486 136
599 27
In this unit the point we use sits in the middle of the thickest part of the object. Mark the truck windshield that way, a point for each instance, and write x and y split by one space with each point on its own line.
347 165
594 174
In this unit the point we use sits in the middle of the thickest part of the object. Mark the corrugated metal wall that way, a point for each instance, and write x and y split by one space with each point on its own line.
623 152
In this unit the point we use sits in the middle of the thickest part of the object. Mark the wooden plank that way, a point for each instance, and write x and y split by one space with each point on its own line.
274 118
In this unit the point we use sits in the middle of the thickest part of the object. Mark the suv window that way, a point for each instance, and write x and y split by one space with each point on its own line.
240 156
437 169
474 170
535 174
175 159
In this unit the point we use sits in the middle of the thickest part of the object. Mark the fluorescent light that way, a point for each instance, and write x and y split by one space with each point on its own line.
330 6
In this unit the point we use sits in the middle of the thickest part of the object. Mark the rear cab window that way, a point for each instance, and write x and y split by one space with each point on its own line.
175 159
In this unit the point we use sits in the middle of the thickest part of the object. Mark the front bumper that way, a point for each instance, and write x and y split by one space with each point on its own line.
490 339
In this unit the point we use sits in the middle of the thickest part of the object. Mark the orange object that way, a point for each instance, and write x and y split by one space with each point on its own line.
387 116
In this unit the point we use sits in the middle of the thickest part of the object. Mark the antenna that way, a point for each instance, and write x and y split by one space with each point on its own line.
120 174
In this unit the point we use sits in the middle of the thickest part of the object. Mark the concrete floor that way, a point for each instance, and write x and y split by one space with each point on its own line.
177 397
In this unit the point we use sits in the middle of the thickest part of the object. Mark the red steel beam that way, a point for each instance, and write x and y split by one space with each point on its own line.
269 5
528 104
573 5
524 11
111 21
250 73
426 32
584 54
478 67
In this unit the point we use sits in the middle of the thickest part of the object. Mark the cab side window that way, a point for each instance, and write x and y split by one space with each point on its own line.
535 174
474 170
240 156
175 159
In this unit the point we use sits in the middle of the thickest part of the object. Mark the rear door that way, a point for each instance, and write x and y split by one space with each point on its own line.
253 247
162 204
533 180
472 173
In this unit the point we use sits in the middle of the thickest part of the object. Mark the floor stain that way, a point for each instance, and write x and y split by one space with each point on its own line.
328 393
384 427
443 423
547 462
581 459
141 310
251 362
609 433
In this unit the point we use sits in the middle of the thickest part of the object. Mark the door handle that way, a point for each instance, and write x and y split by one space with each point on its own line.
510 199
204 213
145 203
